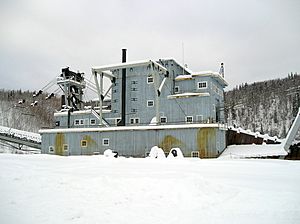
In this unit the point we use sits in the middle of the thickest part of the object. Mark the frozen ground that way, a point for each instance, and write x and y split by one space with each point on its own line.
95 189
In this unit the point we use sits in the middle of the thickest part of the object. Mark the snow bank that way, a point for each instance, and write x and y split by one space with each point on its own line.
157 153
92 189
175 153
253 151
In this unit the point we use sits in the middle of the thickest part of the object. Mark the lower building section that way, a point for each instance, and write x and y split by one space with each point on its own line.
197 141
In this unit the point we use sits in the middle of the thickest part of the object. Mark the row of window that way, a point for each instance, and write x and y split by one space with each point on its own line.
163 119
86 121
200 85
105 142
83 144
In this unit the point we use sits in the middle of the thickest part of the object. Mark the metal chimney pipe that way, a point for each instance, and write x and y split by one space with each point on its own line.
123 101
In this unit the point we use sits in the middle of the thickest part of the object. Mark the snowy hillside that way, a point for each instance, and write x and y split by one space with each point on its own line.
94 189
268 107
24 116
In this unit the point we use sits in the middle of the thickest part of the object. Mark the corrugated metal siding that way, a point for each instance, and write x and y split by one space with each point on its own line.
208 141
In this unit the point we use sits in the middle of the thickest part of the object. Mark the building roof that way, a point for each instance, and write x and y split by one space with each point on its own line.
186 95
124 128
215 75
110 67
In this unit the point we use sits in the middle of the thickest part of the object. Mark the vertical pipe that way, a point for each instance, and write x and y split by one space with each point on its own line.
123 101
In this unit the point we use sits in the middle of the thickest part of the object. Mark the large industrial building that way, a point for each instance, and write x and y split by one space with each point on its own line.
146 103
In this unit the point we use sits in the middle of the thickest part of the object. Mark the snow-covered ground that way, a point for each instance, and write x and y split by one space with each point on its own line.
98 189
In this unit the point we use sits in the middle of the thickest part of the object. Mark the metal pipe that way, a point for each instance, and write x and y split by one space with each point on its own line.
123 101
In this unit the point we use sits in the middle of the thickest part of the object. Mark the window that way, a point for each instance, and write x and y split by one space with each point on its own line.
134 120
134 99
150 103
133 110
57 123
117 120
51 149
76 122
149 79
199 118
176 89
81 122
195 154
115 111
83 143
115 91
202 85
105 142
134 82
115 100
93 121
66 147
163 119
134 89
189 119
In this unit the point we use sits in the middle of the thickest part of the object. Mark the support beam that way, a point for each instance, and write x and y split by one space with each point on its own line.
292 132
99 92
107 91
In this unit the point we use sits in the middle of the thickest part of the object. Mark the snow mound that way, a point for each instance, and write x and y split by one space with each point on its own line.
175 153
109 153
157 153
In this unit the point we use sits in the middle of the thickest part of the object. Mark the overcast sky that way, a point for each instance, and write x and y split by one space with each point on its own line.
257 39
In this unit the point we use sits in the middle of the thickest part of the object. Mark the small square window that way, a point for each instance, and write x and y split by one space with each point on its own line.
81 122
195 154
150 103
134 120
51 149
117 120
76 122
199 118
105 142
163 119
149 79
134 82
176 89
189 119
133 110
93 121
83 143
134 89
134 99
202 85
57 123
66 147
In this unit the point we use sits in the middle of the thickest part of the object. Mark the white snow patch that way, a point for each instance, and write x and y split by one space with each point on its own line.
157 153
253 151
92 189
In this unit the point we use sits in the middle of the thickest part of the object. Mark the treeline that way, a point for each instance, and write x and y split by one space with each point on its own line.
267 107
20 110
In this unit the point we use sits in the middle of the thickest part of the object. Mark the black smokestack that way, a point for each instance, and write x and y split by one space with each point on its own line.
123 101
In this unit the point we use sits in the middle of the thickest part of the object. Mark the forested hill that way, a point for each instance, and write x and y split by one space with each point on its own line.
267 107
25 116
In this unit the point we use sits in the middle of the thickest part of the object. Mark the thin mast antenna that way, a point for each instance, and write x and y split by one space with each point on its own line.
182 58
